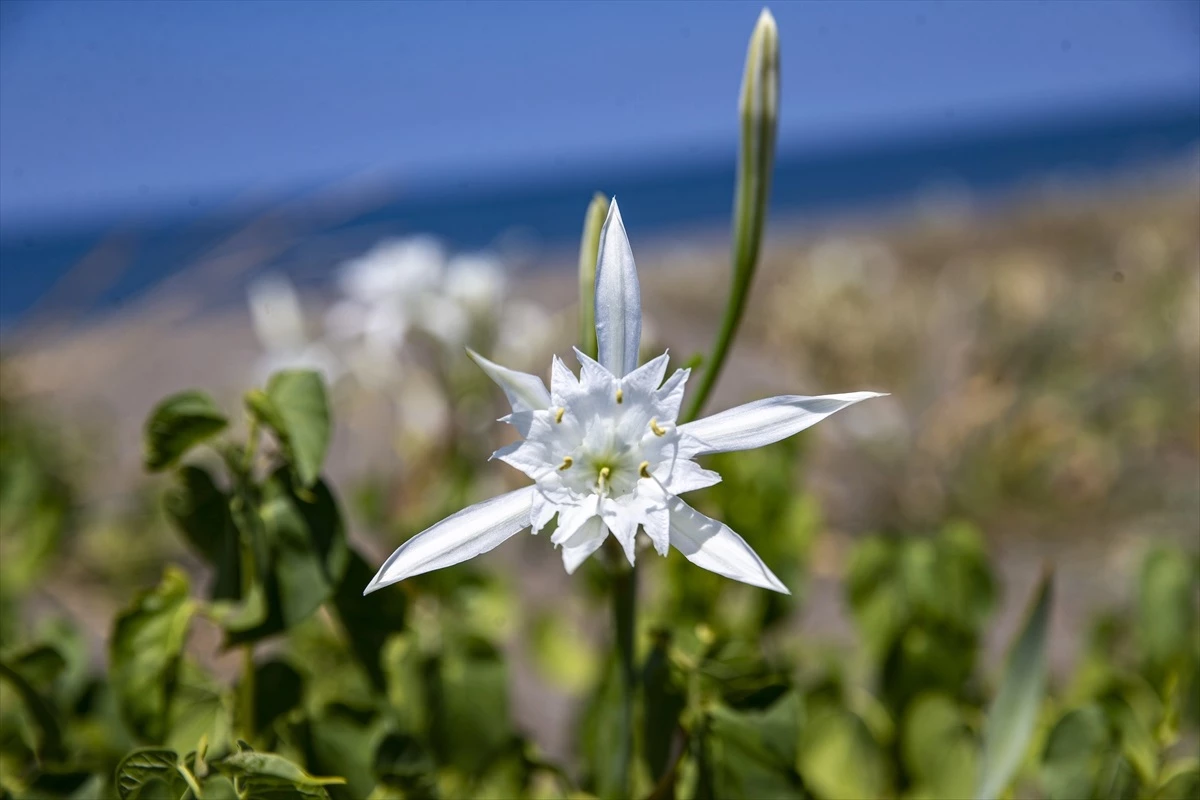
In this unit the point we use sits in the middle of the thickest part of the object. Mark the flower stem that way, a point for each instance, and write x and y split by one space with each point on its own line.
759 109
624 627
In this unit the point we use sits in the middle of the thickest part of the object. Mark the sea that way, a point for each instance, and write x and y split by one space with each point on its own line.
90 267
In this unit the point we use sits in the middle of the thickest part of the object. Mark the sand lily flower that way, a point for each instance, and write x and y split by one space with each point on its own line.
278 321
605 452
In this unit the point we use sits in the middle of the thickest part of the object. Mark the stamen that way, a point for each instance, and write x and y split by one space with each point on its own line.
644 469
658 429
620 396
558 415
566 465
604 473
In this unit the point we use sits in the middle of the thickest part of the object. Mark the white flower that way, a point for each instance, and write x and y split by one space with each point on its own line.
279 324
606 455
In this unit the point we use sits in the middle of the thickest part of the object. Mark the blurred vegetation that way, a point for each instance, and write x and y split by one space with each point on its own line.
207 635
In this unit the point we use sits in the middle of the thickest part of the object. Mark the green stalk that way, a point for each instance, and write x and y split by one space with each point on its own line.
246 690
759 111
589 246
624 626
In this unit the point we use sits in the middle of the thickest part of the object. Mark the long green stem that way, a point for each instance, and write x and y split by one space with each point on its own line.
758 107
246 690
624 627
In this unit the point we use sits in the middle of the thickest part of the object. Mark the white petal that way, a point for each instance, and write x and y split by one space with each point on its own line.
470 532
669 396
541 510
657 525
524 391
563 382
572 518
585 542
714 546
623 525
648 377
618 298
681 476
765 422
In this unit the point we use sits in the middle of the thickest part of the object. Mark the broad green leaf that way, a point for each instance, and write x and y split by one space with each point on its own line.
147 642
369 620
200 511
664 699
753 753
469 705
939 752
278 688
1181 781
299 415
177 424
838 758
345 740
297 566
272 777
151 771
1166 609
50 735
1080 754
1008 729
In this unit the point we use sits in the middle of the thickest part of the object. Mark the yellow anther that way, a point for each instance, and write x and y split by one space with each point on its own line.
558 415
567 462
644 469
658 429
620 396
604 473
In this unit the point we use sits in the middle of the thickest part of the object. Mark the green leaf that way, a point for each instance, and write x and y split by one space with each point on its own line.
1010 721
345 740
272 777
177 424
50 738
278 688
468 687
369 620
664 699
939 752
200 511
1181 782
296 409
838 758
1166 609
1078 750
600 734
753 753
145 651
152 772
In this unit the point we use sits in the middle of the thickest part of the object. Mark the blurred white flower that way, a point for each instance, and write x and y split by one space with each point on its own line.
278 321
605 452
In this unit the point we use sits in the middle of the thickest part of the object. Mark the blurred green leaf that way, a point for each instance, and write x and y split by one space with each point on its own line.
369 620
1181 781
753 753
345 740
939 751
152 772
295 407
177 424
50 737
278 688
838 758
406 767
663 698
200 511
147 643
1010 721
600 734
1166 610
1082 761
468 692
272 777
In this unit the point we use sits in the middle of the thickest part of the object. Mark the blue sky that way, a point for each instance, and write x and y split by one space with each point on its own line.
109 106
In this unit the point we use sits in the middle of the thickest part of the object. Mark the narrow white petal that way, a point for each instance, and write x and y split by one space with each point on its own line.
470 532
648 377
524 391
623 525
765 422
563 382
618 298
669 396
714 546
680 476
572 518
586 541
657 525
541 511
